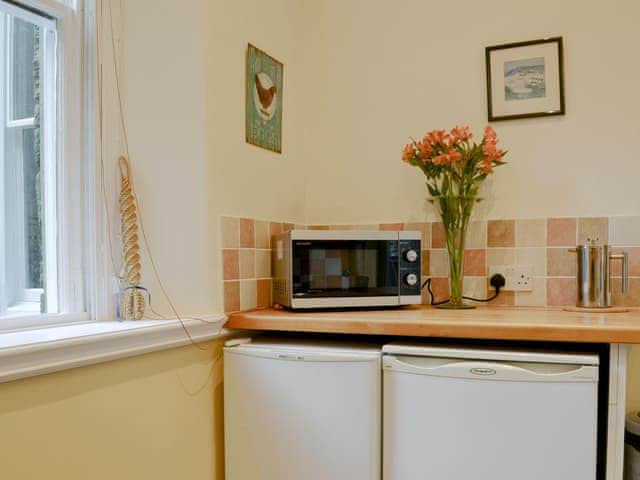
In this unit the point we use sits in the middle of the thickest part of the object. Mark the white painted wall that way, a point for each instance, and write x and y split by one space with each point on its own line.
385 71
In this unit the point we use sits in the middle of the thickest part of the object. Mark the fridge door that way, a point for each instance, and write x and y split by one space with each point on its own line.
296 411
455 419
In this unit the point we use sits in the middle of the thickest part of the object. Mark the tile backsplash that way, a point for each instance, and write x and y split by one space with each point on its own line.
542 243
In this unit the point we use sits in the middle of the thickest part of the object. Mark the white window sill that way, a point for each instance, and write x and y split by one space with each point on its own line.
37 351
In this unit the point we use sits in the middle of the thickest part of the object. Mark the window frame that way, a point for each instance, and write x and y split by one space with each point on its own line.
74 175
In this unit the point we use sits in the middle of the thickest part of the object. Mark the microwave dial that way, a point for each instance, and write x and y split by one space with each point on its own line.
411 279
411 255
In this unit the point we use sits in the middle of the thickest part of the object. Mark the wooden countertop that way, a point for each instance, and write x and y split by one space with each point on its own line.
498 323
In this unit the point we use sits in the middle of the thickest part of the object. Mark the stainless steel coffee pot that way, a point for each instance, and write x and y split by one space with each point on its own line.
594 274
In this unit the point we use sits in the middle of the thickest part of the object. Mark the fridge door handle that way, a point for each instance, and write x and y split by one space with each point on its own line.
483 370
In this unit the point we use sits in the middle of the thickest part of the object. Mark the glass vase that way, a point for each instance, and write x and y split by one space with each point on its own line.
455 213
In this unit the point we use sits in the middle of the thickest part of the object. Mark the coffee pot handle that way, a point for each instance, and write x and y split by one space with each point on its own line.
625 268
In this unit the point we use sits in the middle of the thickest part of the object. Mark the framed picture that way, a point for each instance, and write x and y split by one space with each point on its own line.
525 79
263 124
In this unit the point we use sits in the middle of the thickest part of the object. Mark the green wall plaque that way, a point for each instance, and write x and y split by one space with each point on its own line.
263 100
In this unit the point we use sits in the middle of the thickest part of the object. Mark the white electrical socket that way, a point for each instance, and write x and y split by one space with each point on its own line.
518 278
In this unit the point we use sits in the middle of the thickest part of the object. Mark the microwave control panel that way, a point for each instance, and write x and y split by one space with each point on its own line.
410 263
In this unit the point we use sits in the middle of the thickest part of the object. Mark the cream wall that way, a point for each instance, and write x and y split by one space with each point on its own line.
156 416
389 70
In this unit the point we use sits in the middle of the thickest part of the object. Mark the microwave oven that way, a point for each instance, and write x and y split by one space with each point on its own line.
346 268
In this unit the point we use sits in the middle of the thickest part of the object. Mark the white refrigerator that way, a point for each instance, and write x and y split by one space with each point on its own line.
302 410
459 413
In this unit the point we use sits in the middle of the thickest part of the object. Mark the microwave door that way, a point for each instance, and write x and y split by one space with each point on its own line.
344 268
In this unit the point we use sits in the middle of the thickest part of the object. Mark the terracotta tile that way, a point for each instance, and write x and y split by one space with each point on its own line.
247 233
425 261
264 293
263 263
594 229
231 296
425 293
475 287
394 227
261 229
440 288
624 231
562 232
288 226
505 299
475 262
561 291
438 263
248 294
634 261
629 299
477 234
561 263
230 232
536 297
230 264
274 229
500 256
318 227
531 232
424 228
501 233
437 235
247 263
534 256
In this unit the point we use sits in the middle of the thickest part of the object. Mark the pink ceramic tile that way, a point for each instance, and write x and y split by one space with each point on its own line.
395 227
437 235
561 262
561 291
230 264
231 296
562 232
230 232
440 288
247 233
629 299
634 261
264 293
593 229
505 299
274 229
501 233
475 262
426 255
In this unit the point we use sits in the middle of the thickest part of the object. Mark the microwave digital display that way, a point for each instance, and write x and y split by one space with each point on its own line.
339 268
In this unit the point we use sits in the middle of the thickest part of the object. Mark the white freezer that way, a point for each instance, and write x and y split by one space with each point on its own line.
464 413
297 410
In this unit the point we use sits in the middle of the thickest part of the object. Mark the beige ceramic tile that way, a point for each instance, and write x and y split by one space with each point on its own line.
477 234
475 262
262 234
230 227
531 232
230 264
263 263
424 228
475 287
439 263
562 232
500 256
536 297
247 263
561 263
593 229
263 295
248 294
624 231
247 233
534 256
561 291
231 296
501 233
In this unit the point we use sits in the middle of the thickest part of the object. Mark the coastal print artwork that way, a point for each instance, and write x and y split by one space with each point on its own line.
524 79
263 86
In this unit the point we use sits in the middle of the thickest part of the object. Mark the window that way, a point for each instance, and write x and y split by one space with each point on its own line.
40 187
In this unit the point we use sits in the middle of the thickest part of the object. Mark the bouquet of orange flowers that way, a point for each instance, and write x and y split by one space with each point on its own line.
452 163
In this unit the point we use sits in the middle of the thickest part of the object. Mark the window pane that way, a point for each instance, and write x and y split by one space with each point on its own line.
26 63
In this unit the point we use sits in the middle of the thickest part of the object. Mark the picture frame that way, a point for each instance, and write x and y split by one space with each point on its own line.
263 100
525 79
